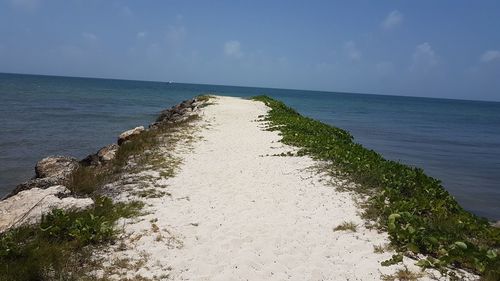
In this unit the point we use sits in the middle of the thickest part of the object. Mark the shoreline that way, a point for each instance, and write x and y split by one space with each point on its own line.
247 163
427 142
59 171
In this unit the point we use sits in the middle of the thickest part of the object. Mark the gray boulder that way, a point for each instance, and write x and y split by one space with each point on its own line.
103 156
59 167
53 170
125 136
28 206
108 153
176 113
42 183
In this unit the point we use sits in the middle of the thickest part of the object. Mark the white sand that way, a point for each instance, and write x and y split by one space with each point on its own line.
237 214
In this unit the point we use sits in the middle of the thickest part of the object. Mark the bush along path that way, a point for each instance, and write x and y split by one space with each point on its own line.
423 220
237 210
62 244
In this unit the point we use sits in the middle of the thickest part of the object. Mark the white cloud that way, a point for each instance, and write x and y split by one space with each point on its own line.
233 49
392 20
125 10
384 67
490 55
141 34
424 57
352 51
176 35
70 52
154 52
89 36
29 5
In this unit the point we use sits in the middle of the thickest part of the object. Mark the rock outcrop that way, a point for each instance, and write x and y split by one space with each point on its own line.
53 170
34 183
31 199
55 167
28 206
107 153
102 157
127 135
177 113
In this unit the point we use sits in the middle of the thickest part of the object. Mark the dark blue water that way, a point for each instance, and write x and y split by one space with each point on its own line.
453 140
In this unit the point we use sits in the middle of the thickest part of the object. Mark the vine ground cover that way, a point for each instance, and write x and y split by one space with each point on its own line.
420 216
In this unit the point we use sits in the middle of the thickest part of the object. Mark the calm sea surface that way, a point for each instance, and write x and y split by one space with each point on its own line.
453 140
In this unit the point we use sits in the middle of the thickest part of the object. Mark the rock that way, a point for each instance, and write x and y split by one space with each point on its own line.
496 224
108 153
176 113
129 134
58 167
41 183
90 160
28 206
53 170
102 156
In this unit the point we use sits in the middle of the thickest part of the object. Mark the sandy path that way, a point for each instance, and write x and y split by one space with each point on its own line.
236 214
259 217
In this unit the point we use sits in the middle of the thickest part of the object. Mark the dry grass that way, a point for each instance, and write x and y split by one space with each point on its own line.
346 226
403 274
139 150
378 249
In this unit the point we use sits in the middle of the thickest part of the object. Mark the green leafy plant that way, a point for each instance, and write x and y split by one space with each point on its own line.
58 246
62 244
417 212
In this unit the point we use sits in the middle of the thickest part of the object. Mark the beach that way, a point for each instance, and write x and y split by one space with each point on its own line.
237 209
249 141
48 115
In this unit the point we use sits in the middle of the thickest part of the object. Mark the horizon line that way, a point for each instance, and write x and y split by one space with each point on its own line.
259 87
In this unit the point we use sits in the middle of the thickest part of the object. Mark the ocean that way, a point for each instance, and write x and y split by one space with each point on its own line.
456 141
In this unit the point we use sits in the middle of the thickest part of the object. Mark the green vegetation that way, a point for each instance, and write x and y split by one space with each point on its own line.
60 248
418 213
346 226
403 275
205 99
378 249
57 248
87 180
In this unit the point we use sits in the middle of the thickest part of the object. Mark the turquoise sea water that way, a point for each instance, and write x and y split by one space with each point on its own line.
453 140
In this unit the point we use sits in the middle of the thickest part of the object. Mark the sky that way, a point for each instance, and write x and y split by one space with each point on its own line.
446 49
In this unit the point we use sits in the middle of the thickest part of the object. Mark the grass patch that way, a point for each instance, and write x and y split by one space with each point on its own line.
150 193
379 249
417 212
87 180
403 275
58 249
204 98
346 226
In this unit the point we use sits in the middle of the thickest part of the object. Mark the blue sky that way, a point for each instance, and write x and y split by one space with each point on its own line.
445 49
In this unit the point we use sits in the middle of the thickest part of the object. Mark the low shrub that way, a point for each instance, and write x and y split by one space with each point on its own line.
60 247
418 213
56 249
87 180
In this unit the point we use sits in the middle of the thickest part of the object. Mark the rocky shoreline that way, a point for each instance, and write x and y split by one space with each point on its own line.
30 200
